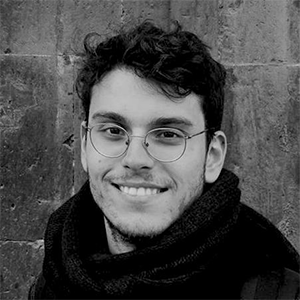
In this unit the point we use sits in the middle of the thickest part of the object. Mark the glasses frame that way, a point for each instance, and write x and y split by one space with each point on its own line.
144 143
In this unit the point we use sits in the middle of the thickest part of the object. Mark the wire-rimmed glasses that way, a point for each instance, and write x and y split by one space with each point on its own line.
162 144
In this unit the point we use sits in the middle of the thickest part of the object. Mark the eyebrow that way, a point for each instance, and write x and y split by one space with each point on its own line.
167 121
157 122
110 116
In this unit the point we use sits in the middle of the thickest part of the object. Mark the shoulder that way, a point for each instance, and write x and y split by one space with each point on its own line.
276 284
59 215
39 289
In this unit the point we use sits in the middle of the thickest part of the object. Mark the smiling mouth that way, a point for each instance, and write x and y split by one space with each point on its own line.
139 191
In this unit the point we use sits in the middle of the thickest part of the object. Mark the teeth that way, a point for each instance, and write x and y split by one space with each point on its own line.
138 191
141 192
132 191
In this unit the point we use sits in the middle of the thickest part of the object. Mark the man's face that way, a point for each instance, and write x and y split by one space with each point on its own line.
171 186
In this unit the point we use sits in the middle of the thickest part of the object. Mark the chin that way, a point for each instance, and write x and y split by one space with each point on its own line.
134 231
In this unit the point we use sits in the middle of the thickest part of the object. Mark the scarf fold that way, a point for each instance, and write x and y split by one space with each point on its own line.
78 263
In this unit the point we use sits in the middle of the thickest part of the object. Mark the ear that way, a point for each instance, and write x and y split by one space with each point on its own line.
215 157
83 137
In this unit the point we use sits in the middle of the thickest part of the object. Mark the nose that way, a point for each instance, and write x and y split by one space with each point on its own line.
136 156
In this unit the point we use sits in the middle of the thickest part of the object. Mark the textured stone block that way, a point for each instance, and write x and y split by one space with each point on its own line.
135 11
75 19
293 41
28 27
20 264
257 31
262 122
36 163
200 17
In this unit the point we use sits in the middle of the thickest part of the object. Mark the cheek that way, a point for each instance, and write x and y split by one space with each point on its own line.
188 177
190 167
96 174
94 167
94 160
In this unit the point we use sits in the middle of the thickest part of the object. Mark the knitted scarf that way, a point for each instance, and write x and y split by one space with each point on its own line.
78 264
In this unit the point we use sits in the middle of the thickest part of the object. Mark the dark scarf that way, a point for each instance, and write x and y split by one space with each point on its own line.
184 261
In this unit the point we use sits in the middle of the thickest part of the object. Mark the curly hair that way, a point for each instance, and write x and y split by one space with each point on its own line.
177 62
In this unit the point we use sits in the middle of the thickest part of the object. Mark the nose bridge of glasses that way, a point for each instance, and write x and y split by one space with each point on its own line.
144 143
134 149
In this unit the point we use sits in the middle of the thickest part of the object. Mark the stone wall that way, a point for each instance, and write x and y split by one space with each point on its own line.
257 41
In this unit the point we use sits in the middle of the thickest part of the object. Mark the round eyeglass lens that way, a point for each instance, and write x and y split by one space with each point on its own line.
165 144
109 140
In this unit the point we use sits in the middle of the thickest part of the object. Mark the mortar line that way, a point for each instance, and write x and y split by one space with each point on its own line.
5 241
26 55
223 63
260 64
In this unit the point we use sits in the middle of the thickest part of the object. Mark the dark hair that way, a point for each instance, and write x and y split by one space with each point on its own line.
177 62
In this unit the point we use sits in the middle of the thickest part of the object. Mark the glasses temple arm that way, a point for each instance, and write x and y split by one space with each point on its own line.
206 130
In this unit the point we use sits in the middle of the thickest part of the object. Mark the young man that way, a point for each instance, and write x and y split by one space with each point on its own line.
159 216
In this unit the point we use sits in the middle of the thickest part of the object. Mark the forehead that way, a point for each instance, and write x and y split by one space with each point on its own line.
124 93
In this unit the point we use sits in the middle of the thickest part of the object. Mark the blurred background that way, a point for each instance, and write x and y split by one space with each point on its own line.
256 40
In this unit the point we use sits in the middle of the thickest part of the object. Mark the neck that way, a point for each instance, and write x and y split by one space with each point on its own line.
116 243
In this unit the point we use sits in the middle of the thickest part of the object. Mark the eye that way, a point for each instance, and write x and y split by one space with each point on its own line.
110 131
167 136
114 131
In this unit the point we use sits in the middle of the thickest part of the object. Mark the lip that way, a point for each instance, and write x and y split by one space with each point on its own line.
140 184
